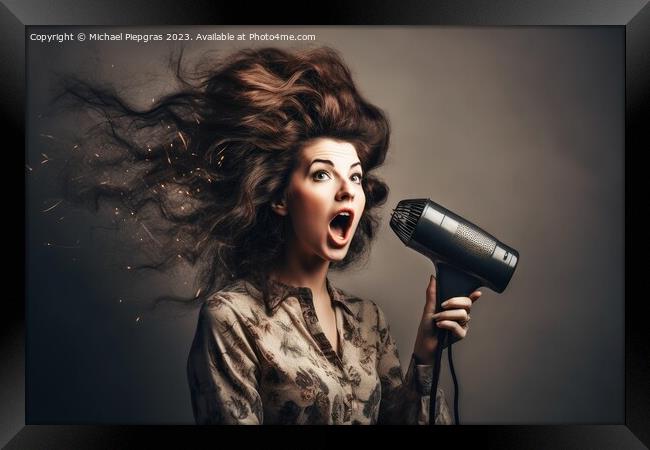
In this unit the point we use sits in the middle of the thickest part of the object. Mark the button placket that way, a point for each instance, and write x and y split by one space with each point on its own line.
313 325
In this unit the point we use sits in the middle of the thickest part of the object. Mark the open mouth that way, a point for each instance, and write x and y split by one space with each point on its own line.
340 224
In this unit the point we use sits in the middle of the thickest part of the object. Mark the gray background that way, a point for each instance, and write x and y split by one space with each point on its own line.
519 130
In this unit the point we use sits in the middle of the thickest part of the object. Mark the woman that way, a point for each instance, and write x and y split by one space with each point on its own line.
272 154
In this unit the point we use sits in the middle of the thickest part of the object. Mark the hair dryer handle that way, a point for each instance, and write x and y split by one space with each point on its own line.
451 282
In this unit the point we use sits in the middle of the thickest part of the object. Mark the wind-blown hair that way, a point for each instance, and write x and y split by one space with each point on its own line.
201 165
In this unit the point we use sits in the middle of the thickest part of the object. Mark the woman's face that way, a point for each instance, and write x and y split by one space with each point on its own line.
324 199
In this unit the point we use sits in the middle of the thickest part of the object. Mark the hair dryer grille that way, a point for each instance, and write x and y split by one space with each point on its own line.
474 241
405 218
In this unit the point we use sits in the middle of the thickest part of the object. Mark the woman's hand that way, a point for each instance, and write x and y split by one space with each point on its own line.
452 317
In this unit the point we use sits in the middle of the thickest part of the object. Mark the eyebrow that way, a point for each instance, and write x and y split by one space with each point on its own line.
327 161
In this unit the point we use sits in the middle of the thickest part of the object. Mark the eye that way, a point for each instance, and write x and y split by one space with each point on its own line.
358 178
317 175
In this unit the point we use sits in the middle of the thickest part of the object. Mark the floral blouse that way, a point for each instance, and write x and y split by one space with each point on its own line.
253 362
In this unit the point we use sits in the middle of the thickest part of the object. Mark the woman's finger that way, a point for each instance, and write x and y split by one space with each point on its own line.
457 303
454 314
454 327
430 305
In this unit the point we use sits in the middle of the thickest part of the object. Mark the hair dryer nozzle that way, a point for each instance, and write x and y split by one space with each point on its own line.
405 218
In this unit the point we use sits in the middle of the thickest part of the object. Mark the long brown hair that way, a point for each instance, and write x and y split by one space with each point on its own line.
202 165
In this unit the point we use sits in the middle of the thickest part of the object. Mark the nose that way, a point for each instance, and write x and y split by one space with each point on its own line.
346 191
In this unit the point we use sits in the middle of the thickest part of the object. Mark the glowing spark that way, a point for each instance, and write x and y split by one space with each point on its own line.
150 235
197 293
183 139
28 168
61 218
47 158
137 319
222 150
128 267
120 300
96 155
49 244
53 206
49 136
153 100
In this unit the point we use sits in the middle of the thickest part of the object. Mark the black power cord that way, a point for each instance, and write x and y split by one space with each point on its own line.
453 376
444 337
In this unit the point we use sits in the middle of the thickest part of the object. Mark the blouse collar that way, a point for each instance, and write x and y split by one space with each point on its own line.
279 292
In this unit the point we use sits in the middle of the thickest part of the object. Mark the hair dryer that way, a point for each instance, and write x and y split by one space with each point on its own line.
465 257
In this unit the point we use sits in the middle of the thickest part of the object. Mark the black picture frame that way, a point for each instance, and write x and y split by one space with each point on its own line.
634 16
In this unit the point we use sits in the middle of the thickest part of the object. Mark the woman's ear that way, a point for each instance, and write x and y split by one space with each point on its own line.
280 207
